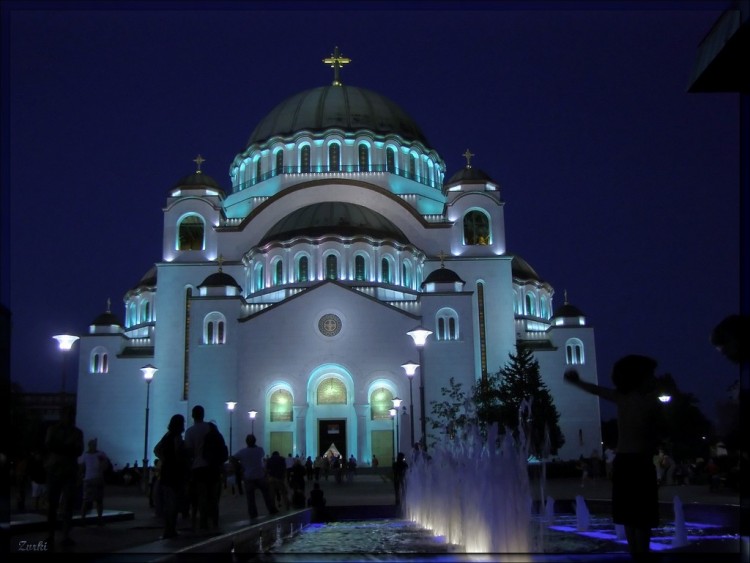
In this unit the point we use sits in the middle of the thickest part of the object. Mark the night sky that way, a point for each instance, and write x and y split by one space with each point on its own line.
620 186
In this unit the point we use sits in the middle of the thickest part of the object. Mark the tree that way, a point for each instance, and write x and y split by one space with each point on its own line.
500 397
685 424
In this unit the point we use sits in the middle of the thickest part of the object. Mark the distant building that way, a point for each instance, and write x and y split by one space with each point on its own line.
293 291
45 407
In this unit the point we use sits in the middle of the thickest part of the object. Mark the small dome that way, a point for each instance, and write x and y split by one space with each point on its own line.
197 180
331 217
443 275
107 319
469 174
220 279
522 270
336 106
568 310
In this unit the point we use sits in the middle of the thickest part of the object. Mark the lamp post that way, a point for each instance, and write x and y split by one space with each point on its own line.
393 413
65 343
148 374
419 335
411 368
230 406
396 407
252 415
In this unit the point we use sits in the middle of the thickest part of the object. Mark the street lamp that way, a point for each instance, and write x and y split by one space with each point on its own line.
396 404
252 415
65 343
230 406
148 374
420 335
411 368
665 398
393 413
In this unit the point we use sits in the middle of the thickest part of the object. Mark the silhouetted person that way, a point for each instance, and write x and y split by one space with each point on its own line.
251 459
94 463
635 497
64 445
399 476
317 502
174 471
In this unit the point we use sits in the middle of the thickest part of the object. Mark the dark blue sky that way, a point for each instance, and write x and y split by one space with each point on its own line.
620 186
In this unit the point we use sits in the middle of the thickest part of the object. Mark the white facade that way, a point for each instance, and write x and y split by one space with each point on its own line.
292 294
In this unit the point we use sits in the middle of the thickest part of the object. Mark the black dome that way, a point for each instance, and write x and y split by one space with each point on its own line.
442 275
469 174
197 180
331 217
522 270
344 107
220 279
148 279
568 310
107 319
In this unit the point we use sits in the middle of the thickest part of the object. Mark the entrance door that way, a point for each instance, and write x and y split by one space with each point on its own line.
332 432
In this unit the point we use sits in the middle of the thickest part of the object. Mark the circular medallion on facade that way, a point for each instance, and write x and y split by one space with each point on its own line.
329 325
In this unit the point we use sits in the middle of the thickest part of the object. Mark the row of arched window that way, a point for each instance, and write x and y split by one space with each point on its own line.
138 312
532 304
412 164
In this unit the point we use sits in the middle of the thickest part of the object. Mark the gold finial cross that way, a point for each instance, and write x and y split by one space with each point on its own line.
565 293
199 160
337 62
442 257
109 305
220 260
467 155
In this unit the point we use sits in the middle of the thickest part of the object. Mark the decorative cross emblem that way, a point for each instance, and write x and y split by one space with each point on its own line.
199 160
329 325
442 257
220 260
337 62
467 155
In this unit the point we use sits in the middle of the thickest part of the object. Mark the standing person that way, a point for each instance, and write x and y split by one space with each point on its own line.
609 458
317 466
317 502
277 479
309 468
251 459
174 470
203 479
216 454
64 445
635 497
399 476
38 477
94 463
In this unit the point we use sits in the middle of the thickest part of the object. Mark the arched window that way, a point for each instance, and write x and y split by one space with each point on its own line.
364 158
412 167
390 159
257 170
530 304
334 157
331 267
302 267
278 273
385 271
281 404
99 360
191 233
279 162
214 329
304 159
331 391
359 268
406 274
431 173
447 324
476 228
544 307
260 281
381 401
574 352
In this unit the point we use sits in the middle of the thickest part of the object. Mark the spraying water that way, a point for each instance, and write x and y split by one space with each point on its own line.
474 493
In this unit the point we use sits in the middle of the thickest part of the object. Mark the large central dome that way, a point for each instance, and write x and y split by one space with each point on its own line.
340 106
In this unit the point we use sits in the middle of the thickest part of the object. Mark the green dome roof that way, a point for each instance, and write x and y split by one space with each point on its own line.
343 107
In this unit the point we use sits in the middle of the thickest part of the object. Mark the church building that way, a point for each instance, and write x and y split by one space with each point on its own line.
287 303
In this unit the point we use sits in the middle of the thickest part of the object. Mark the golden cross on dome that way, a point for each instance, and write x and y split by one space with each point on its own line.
220 260
337 62
442 257
199 160
565 293
109 305
467 155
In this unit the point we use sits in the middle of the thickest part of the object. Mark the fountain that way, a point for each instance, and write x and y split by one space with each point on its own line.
680 532
549 510
474 494
583 517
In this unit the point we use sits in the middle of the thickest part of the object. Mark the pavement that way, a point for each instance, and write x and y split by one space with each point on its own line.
131 530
